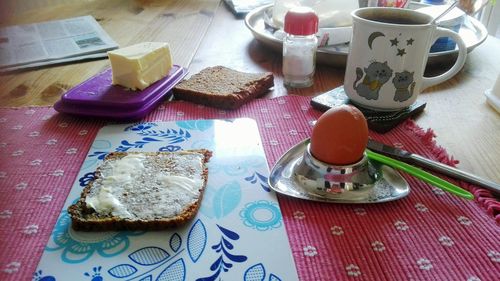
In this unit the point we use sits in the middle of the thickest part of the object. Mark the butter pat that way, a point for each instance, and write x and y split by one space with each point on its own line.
138 66
147 185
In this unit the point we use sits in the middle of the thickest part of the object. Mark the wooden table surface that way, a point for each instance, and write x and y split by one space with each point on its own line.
205 33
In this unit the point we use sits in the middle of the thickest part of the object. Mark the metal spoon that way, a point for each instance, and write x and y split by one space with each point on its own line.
444 12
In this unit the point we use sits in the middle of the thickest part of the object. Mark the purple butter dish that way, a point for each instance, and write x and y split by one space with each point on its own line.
98 91
96 97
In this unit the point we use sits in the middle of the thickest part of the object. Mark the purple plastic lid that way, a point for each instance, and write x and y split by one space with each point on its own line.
98 91
114 103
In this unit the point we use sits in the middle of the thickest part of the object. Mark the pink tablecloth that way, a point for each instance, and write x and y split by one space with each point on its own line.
429 235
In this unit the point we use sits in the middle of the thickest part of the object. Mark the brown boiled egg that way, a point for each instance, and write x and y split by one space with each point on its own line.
340 136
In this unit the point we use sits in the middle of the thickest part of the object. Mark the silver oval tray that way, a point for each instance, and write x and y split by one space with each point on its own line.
472 32
391 186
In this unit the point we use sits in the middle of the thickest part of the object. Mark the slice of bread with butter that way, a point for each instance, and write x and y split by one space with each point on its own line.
142 191
140 65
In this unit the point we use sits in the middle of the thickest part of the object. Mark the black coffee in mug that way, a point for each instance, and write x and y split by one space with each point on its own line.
391 18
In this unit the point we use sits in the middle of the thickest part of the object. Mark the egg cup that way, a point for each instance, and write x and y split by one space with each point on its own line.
331 180
299 174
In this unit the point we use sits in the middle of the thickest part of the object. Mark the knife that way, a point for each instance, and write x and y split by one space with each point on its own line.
423 162
420 174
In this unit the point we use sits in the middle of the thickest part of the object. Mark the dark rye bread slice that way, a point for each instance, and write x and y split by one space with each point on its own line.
144 201
222 87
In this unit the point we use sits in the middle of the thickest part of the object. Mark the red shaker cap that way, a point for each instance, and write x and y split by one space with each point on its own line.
301 21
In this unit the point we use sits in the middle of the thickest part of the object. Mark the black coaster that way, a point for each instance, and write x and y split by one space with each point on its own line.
378 121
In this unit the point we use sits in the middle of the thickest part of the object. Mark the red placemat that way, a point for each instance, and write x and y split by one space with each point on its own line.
429 235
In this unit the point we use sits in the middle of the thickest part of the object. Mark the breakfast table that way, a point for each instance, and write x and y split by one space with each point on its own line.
427 235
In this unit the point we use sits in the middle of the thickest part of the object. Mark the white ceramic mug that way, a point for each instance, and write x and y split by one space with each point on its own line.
388 54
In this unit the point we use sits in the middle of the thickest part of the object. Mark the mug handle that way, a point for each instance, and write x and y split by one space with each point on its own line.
459 63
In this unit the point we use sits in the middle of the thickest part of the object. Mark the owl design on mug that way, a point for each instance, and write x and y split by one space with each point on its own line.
403 82
375 75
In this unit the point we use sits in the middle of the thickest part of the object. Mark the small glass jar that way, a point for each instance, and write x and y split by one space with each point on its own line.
299 47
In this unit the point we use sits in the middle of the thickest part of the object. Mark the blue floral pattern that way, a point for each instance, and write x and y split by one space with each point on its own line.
261 215
226 259
77 247
86 179
258 177
201 125
39 276
223 200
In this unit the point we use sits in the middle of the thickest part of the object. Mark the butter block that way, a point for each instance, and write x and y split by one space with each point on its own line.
138 66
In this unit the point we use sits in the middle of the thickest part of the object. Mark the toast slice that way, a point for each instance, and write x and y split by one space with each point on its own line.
142 191
222 87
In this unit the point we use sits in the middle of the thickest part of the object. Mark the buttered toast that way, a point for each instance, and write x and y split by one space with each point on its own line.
142 191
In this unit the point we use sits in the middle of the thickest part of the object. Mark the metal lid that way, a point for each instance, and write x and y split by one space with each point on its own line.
301 21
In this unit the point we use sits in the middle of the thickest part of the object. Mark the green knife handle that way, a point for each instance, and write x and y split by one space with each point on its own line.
420 174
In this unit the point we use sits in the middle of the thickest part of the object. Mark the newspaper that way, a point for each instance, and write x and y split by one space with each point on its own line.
59 41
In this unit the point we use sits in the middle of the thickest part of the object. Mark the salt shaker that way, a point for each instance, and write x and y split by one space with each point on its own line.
299 47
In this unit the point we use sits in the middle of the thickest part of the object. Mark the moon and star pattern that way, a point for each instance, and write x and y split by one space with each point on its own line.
369 80
395 42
